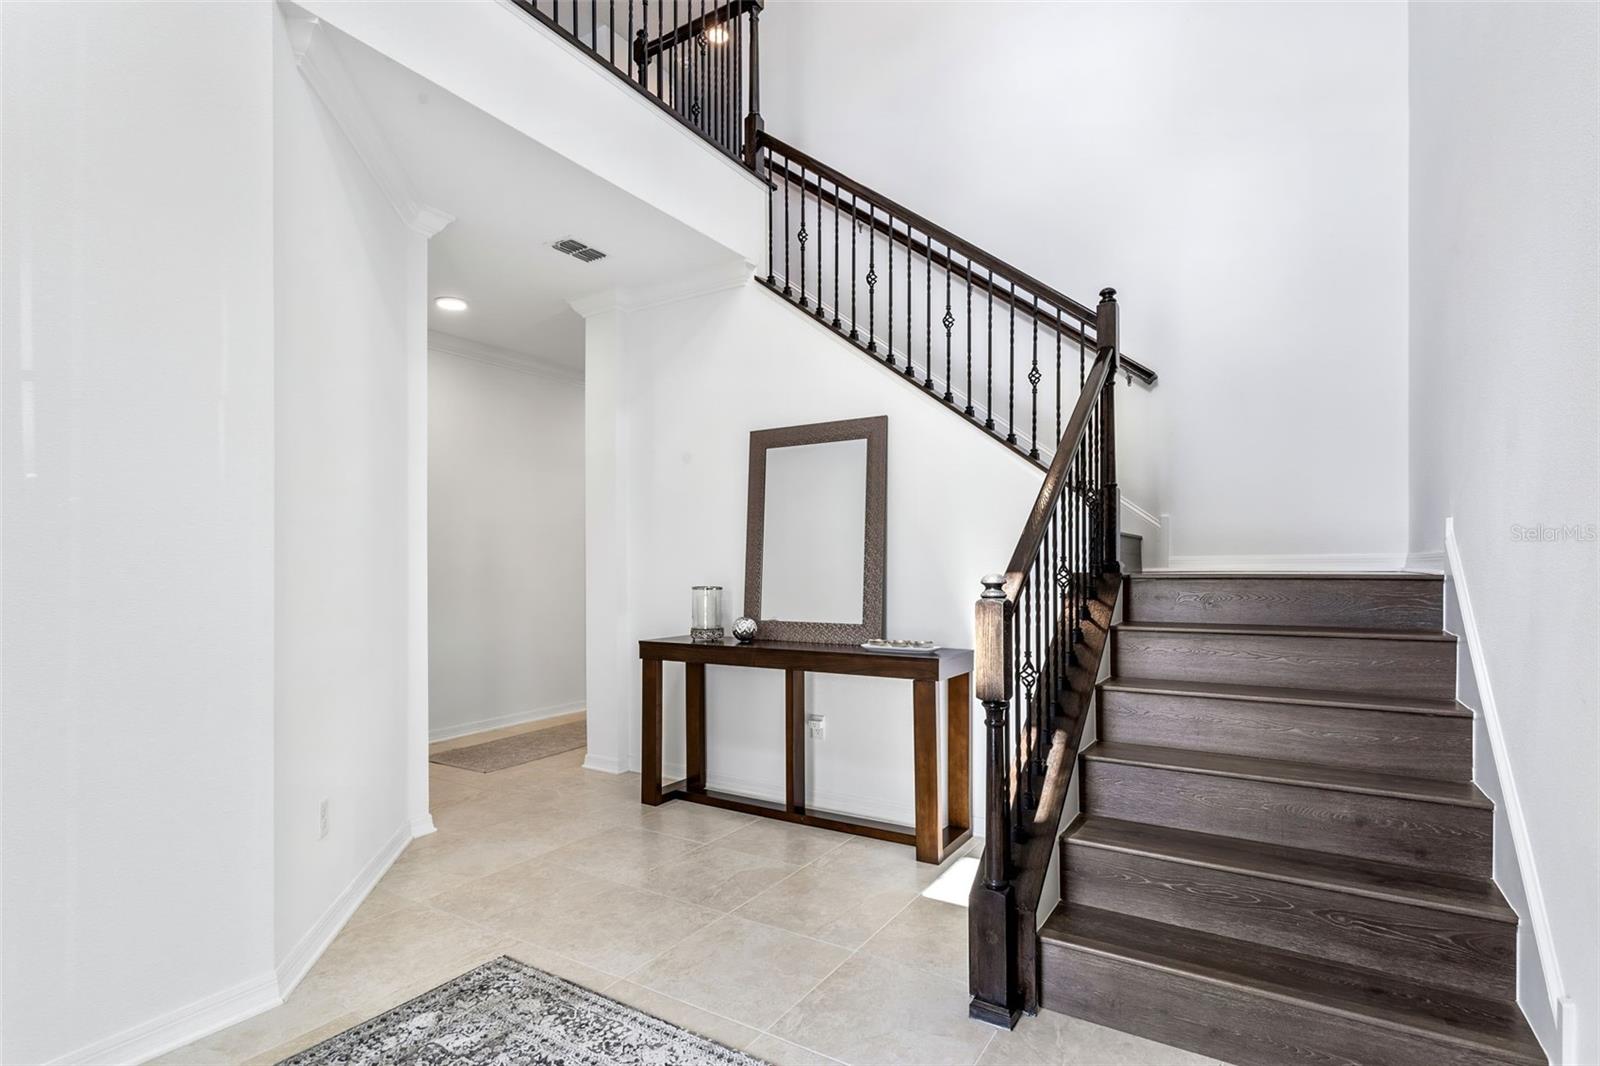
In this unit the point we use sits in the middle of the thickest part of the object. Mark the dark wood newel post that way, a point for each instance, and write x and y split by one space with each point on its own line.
1106 326
992 915
752 122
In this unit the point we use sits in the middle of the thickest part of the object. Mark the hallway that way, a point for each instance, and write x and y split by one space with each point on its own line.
796 945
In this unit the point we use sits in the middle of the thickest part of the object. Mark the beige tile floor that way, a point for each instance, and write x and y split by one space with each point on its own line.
794 944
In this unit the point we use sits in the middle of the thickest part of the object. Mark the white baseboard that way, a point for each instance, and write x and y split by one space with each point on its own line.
421 827
231 1006
298 962
1358 561
484 725
606 764
182 1026
1561 1008
1427 562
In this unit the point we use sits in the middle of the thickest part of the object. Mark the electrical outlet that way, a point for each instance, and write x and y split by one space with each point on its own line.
816 726
322 829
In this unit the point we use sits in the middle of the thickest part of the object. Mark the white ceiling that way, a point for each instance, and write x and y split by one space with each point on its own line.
512 198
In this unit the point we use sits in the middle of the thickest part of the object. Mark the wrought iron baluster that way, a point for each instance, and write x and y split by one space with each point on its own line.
969 411
787 291
1011 375
594 25
675 72
771 278
949 324
837 321
820 289
611 32
888 338
854 335
988 400
1033 380
911 348
1058 378
802 236
927 315
872 277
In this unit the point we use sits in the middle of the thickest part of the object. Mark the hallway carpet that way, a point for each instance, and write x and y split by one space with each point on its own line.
508 1012
515 750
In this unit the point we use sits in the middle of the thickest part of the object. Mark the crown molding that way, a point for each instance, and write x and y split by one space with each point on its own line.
720 278
504 358
318 61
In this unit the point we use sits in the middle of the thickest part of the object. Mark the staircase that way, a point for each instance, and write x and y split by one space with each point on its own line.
1281 855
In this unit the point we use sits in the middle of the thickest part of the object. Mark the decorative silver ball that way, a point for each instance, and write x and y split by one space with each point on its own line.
744 630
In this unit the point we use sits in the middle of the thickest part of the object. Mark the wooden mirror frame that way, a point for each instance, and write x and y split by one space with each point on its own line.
875 431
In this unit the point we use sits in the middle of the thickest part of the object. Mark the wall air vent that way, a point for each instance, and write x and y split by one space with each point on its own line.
578 250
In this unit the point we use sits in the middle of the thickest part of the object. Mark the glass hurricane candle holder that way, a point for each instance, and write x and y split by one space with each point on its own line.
705 614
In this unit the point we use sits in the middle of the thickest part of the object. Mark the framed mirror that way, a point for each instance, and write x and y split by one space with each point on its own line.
815 536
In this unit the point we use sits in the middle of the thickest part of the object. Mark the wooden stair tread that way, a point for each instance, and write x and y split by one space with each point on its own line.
1367 995
1231 629
1439 890
1273 694
1278 771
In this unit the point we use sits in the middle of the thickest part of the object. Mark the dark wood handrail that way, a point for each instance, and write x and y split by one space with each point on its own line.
885 227
950 240
695 26
1056 479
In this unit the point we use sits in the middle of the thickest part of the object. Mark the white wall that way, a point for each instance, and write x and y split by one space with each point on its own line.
498 59
1236 171
505 538
1505 404
138 497
692 387
343 286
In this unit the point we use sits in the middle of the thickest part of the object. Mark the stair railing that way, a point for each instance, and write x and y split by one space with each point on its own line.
990 342
1028 674
697 59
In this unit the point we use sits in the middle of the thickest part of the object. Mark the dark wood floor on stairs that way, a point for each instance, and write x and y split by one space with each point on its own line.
1281 856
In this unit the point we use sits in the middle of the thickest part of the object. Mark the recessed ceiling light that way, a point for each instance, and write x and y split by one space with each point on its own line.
449 303
717 34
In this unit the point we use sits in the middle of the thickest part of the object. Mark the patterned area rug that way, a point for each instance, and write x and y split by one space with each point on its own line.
516 749
505 1012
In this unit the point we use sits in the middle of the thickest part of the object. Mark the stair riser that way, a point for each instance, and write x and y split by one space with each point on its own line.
1420 745
1390 829
1347 603
1231 1022
1442 948
1418 668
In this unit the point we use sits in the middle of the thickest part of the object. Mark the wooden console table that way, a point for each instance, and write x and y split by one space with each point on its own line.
953 666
